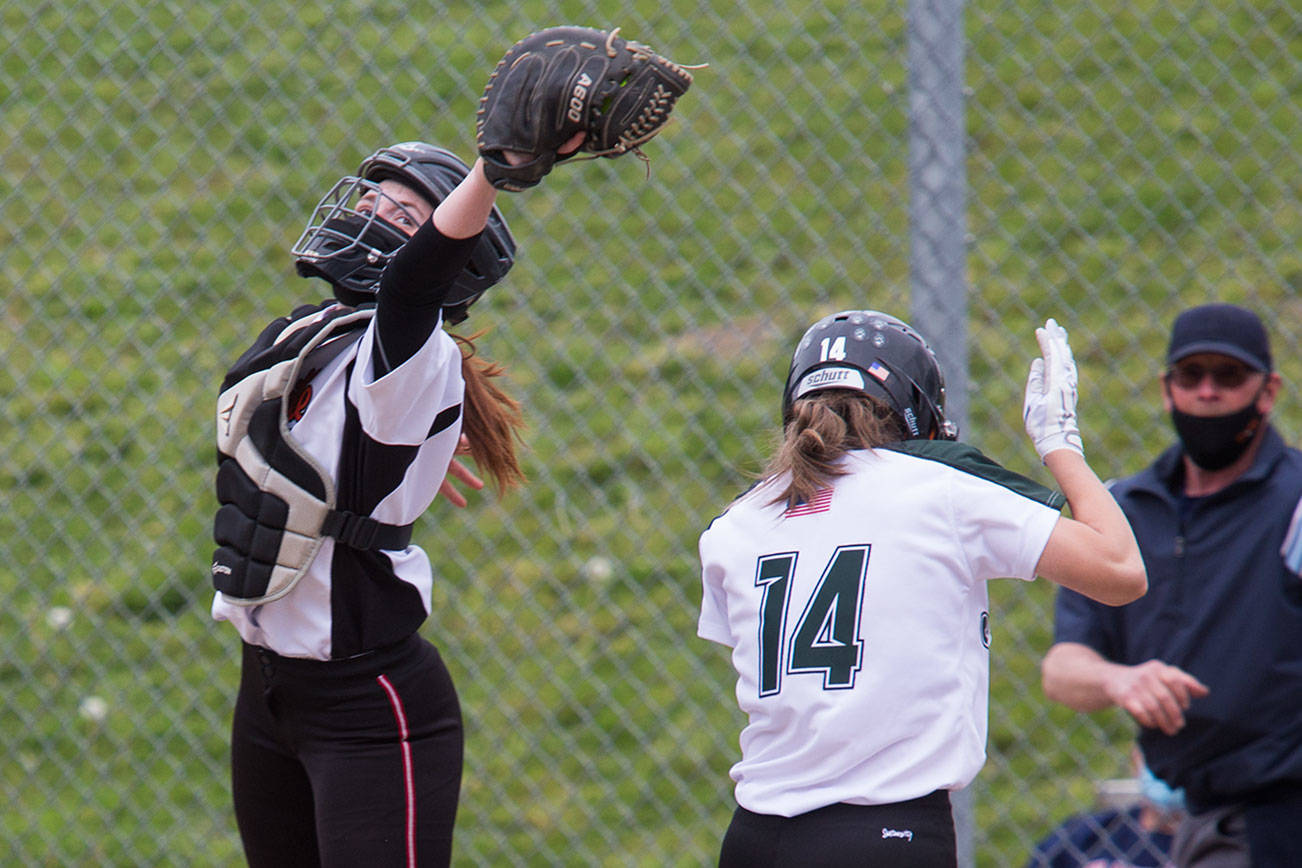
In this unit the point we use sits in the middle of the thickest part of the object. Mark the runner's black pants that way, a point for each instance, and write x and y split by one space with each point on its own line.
918 834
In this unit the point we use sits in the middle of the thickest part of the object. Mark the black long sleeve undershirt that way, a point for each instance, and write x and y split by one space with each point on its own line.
412 289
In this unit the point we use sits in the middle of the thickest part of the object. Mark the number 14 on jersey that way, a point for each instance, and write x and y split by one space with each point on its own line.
826 637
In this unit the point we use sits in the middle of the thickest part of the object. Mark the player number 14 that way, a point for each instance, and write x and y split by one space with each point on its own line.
832 349
826 638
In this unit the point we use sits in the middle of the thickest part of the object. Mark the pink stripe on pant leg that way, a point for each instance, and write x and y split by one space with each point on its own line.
408 780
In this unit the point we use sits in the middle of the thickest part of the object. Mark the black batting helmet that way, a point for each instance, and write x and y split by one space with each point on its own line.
351 249
874 353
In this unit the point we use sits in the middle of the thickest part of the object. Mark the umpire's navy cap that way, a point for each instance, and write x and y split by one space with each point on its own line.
1220 328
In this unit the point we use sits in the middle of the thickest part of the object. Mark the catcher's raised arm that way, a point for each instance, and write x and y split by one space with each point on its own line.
562 81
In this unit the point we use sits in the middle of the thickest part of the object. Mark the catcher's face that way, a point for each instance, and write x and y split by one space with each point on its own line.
396 204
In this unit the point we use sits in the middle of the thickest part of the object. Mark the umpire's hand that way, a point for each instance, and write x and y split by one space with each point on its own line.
1155 694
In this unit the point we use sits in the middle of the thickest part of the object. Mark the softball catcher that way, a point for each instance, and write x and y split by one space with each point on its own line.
337 428
850 584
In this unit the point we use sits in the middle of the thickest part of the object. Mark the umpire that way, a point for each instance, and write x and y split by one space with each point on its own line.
1209 663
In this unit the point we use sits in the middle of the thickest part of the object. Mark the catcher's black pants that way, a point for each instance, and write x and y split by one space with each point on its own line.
918 834
349 762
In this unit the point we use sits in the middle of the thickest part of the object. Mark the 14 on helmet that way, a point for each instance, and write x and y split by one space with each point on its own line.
879 355
350 249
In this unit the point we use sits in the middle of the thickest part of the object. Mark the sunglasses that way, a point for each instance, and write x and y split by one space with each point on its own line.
1224 376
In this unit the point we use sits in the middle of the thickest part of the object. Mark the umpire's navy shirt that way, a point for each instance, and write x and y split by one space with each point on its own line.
1221 605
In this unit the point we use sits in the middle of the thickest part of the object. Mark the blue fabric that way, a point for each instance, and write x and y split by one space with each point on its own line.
1271 825
1225 329
1107 839
1222 604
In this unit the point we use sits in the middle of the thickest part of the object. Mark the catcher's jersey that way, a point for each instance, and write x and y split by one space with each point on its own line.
859 623
388 442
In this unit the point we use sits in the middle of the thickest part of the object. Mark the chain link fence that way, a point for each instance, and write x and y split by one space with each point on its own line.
157 159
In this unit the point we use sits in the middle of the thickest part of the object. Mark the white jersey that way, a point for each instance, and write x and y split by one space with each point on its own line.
859 623
400 431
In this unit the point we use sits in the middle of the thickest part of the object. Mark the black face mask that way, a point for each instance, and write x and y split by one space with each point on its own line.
1214 442
372 231
355 274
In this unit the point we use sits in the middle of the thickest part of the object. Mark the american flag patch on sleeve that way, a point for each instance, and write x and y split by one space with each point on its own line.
1291 550
820 502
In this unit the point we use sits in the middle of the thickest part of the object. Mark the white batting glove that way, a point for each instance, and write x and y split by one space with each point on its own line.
1049 410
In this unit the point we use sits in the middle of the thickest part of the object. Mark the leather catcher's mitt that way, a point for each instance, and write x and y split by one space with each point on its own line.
563 80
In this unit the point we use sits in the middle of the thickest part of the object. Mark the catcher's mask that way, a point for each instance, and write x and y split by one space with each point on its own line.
350 248
874 353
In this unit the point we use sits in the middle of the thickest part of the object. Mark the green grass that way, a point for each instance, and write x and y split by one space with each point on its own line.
1125 160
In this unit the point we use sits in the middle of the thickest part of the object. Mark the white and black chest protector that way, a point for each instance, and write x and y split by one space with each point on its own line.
277 502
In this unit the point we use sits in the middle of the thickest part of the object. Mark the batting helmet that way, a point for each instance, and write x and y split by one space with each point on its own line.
879 355
351 249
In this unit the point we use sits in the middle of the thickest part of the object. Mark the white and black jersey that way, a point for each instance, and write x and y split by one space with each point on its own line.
859 623
384 416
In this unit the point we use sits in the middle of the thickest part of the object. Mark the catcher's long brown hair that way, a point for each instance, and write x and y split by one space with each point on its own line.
491 419
824 427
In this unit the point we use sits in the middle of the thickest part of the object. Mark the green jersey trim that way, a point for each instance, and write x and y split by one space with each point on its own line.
968 459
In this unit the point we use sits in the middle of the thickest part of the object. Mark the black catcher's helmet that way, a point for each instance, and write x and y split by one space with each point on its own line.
351 249
879 355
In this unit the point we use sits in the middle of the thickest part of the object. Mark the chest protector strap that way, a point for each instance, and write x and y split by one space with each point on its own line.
277 501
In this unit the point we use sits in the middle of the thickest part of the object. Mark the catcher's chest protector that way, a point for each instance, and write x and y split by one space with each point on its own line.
277 502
